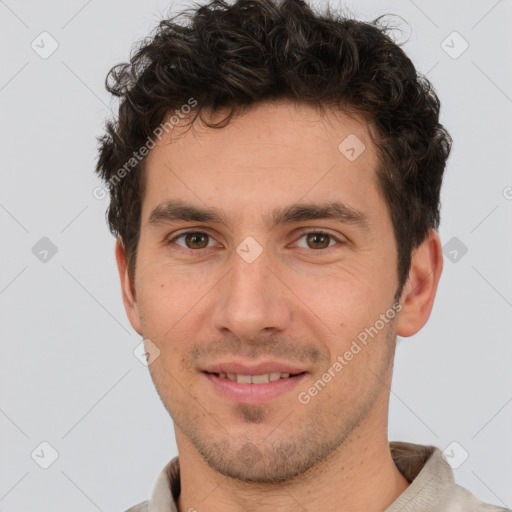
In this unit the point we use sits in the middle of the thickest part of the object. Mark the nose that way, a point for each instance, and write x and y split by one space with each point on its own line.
251 299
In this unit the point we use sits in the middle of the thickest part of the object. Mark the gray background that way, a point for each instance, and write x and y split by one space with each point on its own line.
68 373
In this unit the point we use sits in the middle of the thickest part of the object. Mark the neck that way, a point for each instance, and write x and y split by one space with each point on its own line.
341 482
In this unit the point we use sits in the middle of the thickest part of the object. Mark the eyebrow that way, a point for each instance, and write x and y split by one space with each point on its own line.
179 211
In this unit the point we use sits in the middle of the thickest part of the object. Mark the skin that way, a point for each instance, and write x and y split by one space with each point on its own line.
298 302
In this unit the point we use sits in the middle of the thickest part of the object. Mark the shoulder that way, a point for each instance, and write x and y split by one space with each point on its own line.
432 484
165 491
141 507
461 500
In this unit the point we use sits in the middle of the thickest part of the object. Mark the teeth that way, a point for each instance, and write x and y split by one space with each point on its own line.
260 379
254 379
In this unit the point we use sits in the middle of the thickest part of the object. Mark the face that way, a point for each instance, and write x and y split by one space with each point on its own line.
265 251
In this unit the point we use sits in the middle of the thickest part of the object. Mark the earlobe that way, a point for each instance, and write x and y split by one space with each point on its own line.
128 292
420 289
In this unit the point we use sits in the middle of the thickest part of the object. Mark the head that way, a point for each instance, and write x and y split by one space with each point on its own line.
254 125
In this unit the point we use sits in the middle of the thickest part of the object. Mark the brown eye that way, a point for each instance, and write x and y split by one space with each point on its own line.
196 240
192 240
318 240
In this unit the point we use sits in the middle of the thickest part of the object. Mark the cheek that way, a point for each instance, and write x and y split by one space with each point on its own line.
168 288
162 301
342 296
350 301
173 303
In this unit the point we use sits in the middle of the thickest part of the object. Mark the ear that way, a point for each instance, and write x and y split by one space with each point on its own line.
129 298
419 291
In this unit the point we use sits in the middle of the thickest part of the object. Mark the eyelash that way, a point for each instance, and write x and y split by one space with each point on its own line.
302 234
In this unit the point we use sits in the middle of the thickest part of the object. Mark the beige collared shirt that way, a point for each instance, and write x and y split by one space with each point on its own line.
432 488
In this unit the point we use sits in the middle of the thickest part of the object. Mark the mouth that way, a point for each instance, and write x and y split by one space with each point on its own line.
263 378
253 389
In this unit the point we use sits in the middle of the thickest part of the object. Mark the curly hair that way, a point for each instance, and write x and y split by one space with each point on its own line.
237 55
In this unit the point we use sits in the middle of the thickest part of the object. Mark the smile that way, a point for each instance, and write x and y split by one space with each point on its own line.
254 379
252 389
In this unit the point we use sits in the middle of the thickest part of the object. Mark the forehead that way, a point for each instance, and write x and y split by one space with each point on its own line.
276 153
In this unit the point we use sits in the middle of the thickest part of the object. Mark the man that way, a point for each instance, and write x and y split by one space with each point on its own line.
275 177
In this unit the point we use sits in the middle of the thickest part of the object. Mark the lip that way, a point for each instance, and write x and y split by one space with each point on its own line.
253 369
253 393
